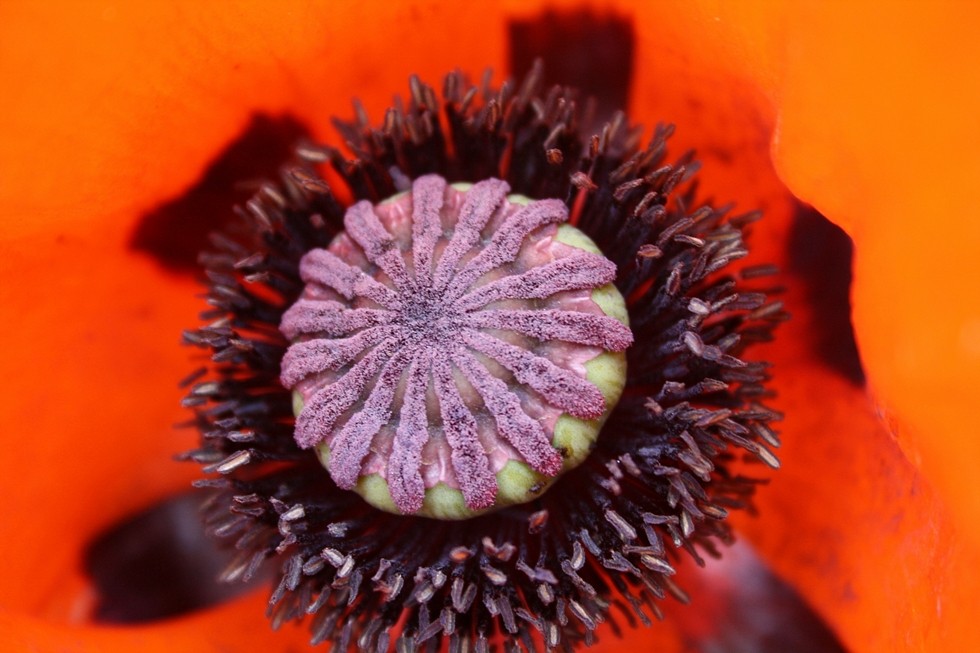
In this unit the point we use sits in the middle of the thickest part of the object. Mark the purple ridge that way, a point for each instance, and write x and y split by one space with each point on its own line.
371 378
524 433
481 203
328 318
507 241
470 462
351 445
405 462
549 324
579 271
564 389
379 246
322 267
326 406
427 199
312 357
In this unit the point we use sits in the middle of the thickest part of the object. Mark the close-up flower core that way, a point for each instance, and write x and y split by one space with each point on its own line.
444 346
374 454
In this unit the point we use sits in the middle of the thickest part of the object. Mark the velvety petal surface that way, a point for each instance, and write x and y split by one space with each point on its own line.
113 108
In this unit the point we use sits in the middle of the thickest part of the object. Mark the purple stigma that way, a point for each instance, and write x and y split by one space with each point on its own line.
442 334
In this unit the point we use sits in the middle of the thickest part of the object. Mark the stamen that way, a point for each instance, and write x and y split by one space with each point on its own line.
422 366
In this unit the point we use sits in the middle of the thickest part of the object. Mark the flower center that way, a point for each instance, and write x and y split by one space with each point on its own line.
455 349
428 321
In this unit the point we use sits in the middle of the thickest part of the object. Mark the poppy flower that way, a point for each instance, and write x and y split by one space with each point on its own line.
117 110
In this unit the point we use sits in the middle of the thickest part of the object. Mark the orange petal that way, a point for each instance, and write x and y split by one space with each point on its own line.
118 104
850 521
879 129
874 131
